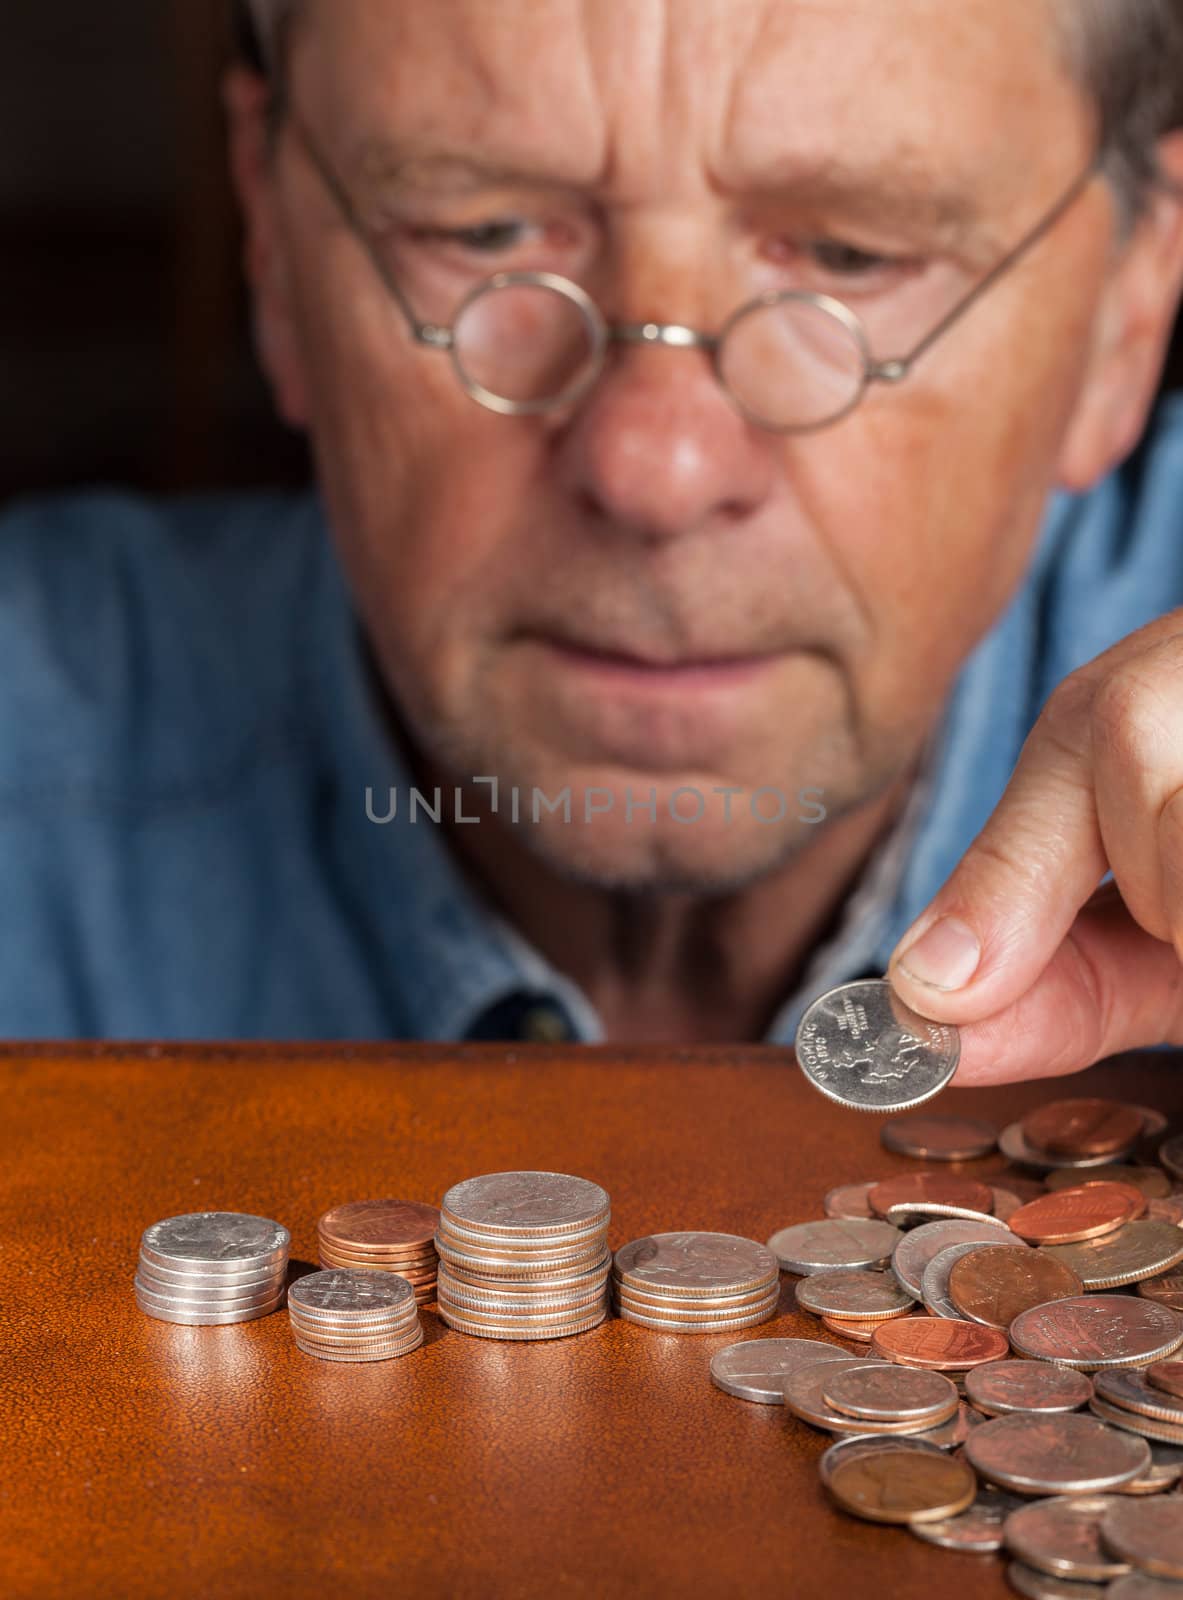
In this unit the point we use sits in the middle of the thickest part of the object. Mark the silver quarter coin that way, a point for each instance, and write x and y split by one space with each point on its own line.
214 1239
519 1203
882 1392
977 1530
809 1247
207 1319
1062 1536
695 1264
863 1047
1093 1331
916 1249
1053 1454
755 1369
860 1292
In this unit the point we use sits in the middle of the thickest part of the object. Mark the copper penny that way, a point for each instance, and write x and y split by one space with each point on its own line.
1151 1181
381 1224
938 1343
943 1188
1166 1377
1070 1215
1083 1127
849 1328
1167 1290
994 1283
1093 1331
938 1138
1146 1533
1003 1387
1044 1455
903 1487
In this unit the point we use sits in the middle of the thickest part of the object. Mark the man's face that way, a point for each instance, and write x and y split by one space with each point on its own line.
683 156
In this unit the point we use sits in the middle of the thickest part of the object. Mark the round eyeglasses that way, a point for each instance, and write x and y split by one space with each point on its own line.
789 360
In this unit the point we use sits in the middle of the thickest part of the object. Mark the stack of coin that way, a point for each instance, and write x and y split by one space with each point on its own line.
523 1255
696 1282
354 1314
386 1235
209 1267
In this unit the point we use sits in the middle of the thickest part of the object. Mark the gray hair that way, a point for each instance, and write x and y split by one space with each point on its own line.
1126 54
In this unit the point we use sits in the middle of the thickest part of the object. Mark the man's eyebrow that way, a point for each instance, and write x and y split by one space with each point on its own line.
903 193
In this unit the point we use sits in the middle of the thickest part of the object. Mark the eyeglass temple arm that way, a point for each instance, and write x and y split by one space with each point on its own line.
424 332
895 370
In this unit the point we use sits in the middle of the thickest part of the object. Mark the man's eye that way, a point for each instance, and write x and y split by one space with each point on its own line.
847 260
486 238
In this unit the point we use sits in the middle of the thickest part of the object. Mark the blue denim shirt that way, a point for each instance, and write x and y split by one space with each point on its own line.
189 726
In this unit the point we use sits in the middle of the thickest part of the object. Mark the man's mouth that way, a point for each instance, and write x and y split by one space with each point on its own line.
628 666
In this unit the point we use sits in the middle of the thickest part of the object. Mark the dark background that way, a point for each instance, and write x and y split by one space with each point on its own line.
124 342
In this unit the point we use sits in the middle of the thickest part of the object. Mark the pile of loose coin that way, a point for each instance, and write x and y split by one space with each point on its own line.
990 1312
212 1267
524 1255
386 1236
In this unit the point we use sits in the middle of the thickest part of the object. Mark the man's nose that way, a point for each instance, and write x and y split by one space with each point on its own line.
656 447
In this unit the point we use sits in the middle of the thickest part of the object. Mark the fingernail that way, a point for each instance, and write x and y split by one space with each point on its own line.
946 957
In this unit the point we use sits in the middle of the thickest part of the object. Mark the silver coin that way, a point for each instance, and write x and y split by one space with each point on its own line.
1131 1422
916 1249
213 1283
696 1263
1094 1331
358 1355
848 1200
977 1530
1055 1454
754 1369
862 1444
214 1240
208 1319
882 1392
350 1291
859 1292
1001 1388
1141 1586
525 1248
934 1285
1062 1535
809 1247
1137 1250
683 1311
518 1203
1170 1153
906 1211
1038 1585
146 1294
863 1047
1015 1148
1148 1534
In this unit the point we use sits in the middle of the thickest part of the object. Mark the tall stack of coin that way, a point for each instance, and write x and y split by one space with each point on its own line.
354 1314
210 1267
523 1255
696 1282
386 1235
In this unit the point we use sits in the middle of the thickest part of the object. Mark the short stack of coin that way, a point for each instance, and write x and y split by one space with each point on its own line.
354 1314
385 1235
211 1267
696 1282
524 1255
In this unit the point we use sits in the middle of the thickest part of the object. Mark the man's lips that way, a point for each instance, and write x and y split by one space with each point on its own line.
700 667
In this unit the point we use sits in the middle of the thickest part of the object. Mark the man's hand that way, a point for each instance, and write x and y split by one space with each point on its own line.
1043 970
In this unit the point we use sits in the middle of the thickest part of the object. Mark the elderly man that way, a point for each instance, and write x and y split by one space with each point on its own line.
746 540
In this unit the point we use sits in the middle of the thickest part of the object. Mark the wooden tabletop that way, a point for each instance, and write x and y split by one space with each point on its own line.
142 1459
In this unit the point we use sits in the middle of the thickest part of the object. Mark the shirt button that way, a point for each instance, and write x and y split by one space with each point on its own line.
543 1024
